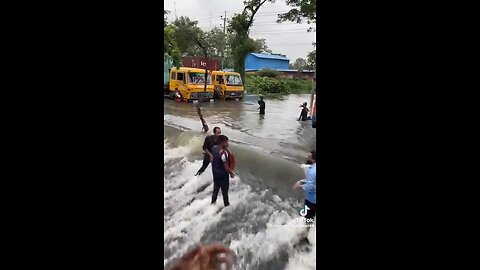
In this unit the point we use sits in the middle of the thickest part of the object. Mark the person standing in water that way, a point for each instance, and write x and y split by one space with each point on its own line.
221 170
309 187
208 144
261 103
304 113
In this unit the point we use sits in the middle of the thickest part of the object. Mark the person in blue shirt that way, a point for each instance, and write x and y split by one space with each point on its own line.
309 187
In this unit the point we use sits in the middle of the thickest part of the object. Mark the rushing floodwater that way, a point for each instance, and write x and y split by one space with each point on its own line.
261 224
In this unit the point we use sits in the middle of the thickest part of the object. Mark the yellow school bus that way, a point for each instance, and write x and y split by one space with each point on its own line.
188 83
228 84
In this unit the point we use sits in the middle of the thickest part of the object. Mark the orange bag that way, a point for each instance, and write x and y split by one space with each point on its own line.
231 160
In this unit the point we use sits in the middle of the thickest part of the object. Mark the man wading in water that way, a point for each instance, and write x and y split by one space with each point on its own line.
261 103
221 169
304 113
208 144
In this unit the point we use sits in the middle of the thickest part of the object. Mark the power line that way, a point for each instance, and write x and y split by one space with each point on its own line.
256 15
279 30
175 7
272 23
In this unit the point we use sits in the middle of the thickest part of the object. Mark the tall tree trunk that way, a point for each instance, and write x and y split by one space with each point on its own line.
204 49
242 71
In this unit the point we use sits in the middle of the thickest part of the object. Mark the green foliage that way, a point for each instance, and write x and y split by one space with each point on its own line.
170 45
312 59
216 42
299 85
267 73
193 41
300 64
261 46
302 10
266 85
276 86
241 44
185 30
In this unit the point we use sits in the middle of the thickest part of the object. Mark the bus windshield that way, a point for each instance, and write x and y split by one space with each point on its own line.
233 80
199 78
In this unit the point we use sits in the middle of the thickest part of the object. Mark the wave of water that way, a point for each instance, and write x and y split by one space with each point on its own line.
260 227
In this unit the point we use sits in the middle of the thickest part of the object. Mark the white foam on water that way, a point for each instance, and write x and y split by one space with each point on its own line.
305 260
189 216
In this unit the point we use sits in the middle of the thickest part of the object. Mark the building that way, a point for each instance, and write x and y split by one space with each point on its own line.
258 61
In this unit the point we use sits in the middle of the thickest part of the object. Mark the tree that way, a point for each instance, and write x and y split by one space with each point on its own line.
312 59
261 46
165 12
216 40
202 41
239 26
300 64
170 46
185 28
302 10
228 62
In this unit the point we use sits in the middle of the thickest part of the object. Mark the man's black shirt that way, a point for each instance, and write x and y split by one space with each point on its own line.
209 143
262 106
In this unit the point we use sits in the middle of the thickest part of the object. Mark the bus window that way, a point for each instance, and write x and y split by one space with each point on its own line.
199 78
234 80
180 77
220 79
174 76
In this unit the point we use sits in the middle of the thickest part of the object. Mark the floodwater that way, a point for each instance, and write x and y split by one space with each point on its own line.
261 224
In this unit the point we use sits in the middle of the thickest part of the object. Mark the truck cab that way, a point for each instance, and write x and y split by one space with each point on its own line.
228 84
188 83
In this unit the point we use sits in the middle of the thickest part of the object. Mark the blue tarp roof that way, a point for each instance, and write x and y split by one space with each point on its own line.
269 56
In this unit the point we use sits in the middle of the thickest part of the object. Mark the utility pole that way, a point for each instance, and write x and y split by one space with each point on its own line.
175 7
224 37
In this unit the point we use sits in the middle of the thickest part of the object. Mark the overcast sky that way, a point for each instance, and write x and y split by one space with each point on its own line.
286 38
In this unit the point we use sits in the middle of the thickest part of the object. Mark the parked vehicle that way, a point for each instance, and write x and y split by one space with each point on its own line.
227 85
188 84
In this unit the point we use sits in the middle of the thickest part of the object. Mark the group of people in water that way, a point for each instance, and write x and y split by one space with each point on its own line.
303 114
216 151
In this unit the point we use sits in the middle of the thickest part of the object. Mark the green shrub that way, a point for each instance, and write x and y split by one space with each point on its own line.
267 73
275 86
